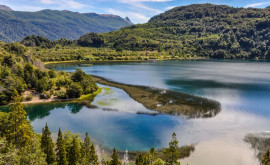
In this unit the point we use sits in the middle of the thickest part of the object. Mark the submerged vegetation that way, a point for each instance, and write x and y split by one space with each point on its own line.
166 101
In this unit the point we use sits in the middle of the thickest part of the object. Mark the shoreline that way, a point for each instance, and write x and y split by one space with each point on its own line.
117 61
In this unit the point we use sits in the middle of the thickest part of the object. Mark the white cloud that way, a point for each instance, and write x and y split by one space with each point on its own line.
170 7
257 4
64 3
139 4
135 17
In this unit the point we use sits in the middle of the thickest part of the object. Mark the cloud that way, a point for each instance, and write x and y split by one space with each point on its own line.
170 7
134 16
257 4
64 3
139 4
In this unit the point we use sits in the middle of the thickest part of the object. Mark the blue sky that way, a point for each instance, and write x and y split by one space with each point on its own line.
139 11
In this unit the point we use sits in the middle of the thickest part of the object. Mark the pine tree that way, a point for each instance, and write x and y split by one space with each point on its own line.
47 145
93 159
139 160
266 158
172 153
74 152
61 155
19 130
115 159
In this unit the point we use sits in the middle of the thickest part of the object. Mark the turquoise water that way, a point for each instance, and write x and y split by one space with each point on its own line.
242 88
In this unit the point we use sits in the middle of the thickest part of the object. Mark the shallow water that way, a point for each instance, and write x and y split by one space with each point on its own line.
242 88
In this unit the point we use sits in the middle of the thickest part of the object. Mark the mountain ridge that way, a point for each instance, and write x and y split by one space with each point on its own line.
55 24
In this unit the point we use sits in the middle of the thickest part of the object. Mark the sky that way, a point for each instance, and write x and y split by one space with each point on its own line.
139 11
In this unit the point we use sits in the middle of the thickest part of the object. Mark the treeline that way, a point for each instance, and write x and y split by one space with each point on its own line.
20 72
20 145
201 30
88 40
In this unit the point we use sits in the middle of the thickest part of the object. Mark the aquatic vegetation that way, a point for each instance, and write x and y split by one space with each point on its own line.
166 101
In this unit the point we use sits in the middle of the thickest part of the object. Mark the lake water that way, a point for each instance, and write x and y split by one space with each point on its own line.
242 88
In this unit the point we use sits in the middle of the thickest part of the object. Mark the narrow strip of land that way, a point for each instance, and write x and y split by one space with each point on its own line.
166 101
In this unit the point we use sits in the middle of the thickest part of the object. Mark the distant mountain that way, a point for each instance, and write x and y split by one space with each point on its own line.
128 20
53 24
3 7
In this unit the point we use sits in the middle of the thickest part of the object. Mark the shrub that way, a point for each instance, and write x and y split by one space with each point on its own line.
74 90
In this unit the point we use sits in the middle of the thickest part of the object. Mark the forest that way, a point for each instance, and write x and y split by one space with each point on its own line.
20 72
194 31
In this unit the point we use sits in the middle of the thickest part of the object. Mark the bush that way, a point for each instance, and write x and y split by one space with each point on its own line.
45 95
74 90
29 97
61 94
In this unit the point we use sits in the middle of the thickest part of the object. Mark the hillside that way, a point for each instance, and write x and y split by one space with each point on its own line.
52 24
204 30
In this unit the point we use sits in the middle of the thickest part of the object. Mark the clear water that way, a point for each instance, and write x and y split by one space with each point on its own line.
242 88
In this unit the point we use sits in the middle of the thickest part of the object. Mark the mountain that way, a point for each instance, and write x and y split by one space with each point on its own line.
53 24
6 8
200 30
128 20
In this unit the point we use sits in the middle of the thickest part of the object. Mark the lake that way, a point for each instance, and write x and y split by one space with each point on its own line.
242 88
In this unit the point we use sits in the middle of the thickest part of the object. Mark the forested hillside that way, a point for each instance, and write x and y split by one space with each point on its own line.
22 74
204 30
201 30
52 24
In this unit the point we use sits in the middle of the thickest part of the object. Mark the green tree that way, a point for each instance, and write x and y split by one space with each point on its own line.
74 152
19 128
61 154
74 90
85 149
93 158
78 76
172 153
32 153
47 145
158 162
266 158
115 159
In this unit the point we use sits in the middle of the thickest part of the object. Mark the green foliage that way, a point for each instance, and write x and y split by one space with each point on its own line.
201 30
61 154
266 158
74 152
172 153
19 130
91 40
47 145
115 159
74 90
32 153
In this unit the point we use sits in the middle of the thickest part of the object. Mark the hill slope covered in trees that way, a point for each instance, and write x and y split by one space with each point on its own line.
205 30
54 24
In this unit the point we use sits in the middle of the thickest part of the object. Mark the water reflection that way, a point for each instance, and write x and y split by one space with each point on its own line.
242 87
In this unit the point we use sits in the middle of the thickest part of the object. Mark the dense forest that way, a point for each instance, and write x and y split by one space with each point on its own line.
20 72
53 24
205 30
